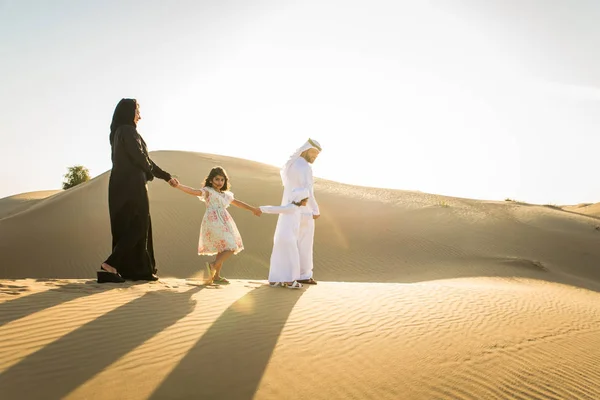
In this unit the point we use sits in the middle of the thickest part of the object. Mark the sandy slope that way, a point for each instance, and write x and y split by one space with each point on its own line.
420 296
15 204
586 209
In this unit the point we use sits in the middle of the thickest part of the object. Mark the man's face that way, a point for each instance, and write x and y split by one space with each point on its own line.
310 155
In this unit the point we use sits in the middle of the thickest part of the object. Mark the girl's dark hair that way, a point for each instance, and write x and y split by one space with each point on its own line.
299 203
124 115
217 171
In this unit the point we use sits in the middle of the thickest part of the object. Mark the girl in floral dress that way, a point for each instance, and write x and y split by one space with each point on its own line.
218 233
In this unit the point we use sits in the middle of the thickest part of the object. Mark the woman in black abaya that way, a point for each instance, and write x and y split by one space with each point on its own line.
132 248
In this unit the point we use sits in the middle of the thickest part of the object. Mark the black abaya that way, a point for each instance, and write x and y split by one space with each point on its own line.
131 227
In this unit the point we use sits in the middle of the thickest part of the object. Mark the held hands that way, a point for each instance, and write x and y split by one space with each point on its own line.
174 182
256 211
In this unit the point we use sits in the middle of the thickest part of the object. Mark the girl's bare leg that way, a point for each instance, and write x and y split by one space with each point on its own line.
218 263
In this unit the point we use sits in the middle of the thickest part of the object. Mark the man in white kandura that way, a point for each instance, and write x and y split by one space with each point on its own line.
296 174
284 267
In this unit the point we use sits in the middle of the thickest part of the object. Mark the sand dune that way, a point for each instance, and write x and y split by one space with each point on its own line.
586 209
15 204
364 235
474 338
419 297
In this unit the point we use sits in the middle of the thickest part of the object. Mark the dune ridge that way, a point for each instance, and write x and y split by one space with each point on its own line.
585 209
12 205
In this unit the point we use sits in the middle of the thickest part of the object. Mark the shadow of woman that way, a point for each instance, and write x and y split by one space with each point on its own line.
21 307
229 360
62 366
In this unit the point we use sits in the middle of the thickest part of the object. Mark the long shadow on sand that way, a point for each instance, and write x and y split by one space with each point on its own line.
21 307
62 366
229 360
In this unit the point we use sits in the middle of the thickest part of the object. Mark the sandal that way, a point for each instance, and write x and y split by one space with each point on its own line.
220 280
309 281
275 284
294 285
108 277
104 276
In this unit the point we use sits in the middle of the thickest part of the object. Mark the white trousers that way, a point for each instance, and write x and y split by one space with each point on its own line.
305 245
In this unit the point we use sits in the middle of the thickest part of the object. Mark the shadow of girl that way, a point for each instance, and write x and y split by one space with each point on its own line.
229 360
62 366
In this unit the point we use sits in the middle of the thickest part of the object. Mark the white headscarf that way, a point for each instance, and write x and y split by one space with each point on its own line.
299 194
310 144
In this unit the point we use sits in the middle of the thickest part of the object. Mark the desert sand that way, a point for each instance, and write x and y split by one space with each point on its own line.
420 296
585 208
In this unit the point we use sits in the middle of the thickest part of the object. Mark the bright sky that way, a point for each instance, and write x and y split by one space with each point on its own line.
466 98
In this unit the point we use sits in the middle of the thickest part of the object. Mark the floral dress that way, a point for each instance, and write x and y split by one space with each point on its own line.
218 231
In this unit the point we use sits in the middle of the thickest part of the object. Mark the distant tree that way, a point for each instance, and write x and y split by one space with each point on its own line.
76 175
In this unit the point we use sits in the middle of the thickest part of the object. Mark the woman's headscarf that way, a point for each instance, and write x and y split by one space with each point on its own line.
124 115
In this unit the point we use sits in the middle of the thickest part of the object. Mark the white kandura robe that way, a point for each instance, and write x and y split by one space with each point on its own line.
285 257
300 175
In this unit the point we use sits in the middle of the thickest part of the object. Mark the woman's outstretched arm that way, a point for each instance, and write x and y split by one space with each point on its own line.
158 172
162 174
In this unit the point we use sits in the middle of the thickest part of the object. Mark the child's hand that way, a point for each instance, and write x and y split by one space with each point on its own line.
256 211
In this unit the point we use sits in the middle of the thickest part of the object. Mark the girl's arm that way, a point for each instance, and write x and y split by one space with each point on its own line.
255 210
189 190
289 209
